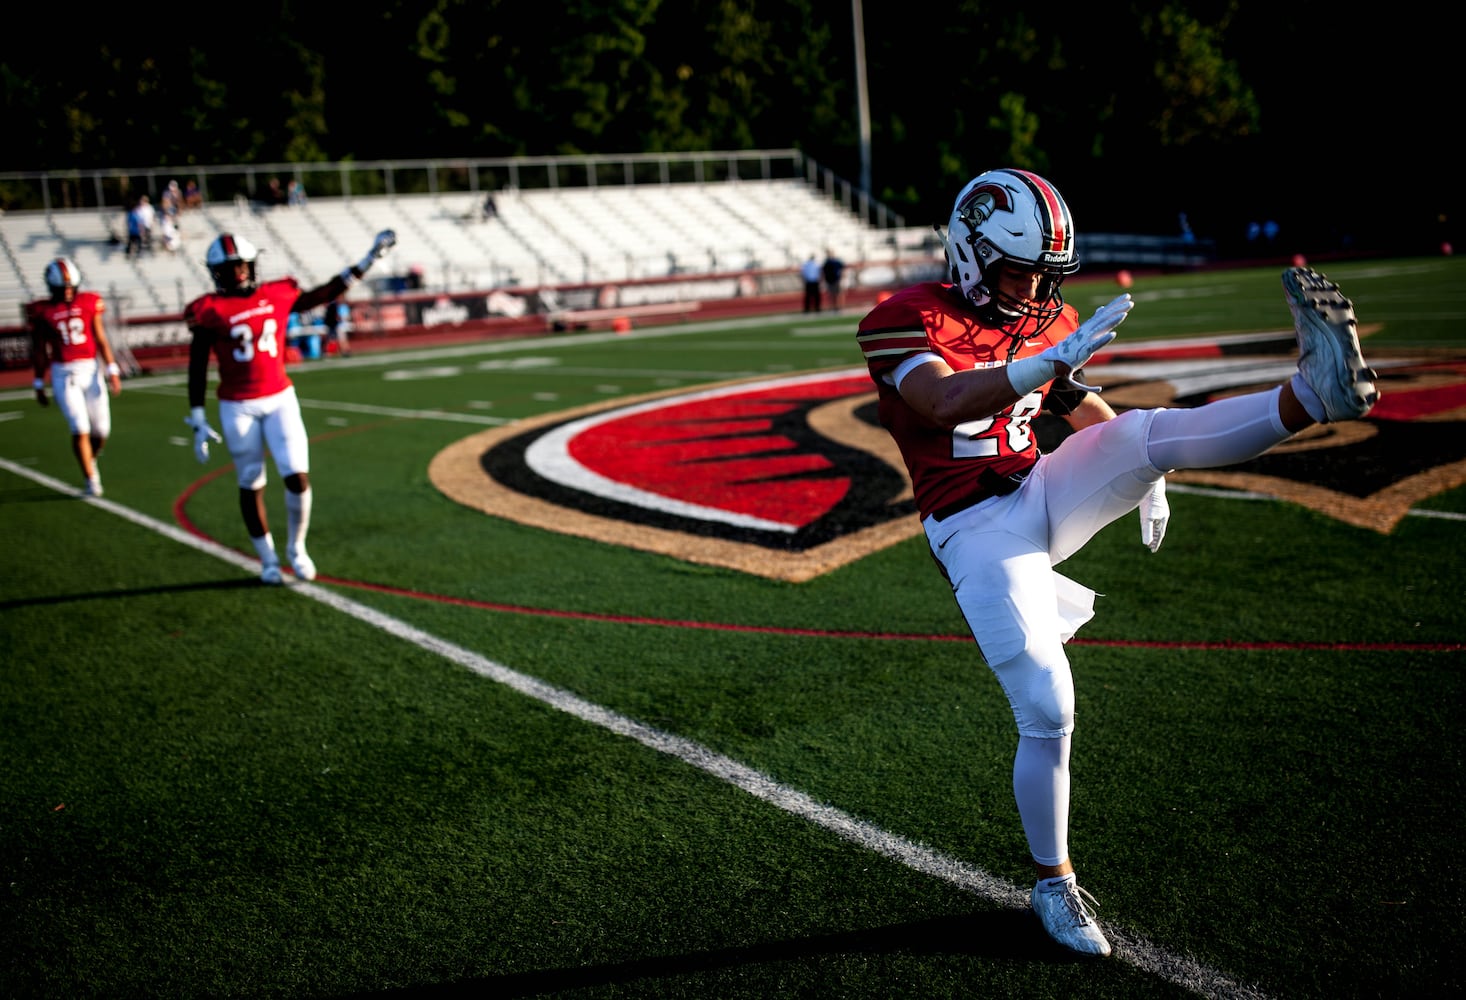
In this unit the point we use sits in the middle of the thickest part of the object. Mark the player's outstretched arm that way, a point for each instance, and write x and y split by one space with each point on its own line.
333 289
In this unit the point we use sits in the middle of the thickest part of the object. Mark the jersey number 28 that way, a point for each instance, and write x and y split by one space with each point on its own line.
1006 433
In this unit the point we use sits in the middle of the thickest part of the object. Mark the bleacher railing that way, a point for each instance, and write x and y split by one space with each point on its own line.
117 187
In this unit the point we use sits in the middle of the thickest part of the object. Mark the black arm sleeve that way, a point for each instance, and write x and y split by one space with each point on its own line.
1063 398
198 367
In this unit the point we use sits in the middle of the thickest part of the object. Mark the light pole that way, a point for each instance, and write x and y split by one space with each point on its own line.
862 99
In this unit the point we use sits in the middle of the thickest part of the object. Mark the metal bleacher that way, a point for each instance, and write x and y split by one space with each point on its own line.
555 233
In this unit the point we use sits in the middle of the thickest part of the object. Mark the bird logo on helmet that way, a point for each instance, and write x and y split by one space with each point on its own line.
222 259
1010 218
62 274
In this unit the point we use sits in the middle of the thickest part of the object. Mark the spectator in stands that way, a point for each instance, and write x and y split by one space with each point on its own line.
833 270
295 193
168 232
170 201
192 196
812 275
257 405
67 338
490 208
140 222
1187 236
274 194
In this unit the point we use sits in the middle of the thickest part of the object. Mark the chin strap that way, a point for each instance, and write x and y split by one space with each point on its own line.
1017 340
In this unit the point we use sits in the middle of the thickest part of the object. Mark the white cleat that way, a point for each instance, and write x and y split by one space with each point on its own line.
93 488
1065 913
1329 358
270 573
305 568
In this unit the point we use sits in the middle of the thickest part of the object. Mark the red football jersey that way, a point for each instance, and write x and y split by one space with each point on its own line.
249 337
945 462
68 326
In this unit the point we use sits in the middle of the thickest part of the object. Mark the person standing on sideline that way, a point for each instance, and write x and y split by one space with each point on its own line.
833 270
811 274
243 324
67 338
338 326
962 366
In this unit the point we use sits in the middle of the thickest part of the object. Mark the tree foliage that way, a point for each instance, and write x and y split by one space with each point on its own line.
955 87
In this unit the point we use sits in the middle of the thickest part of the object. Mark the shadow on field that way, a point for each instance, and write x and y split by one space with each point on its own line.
244 583
1008 935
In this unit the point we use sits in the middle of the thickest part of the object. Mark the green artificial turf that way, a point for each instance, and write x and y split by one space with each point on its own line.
215 788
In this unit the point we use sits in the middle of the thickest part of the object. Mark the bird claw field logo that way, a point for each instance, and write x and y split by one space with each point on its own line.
792 477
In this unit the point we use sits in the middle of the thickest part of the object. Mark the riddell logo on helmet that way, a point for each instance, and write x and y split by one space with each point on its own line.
1058 258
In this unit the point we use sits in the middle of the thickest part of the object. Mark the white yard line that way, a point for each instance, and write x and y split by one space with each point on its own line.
1180 970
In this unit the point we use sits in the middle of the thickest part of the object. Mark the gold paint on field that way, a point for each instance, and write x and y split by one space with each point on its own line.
1380 511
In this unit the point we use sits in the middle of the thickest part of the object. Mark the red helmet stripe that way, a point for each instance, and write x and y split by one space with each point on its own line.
226 243
1057 227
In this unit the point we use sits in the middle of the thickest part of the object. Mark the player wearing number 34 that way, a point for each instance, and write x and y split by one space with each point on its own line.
243 324
962 367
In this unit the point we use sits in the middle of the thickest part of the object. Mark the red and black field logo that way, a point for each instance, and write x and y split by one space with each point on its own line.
791 477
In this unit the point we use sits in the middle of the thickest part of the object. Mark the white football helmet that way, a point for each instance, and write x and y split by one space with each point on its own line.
1010 218
225 252
61 274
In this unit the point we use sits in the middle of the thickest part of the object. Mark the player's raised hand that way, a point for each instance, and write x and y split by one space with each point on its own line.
1093 334
1070 354
381 246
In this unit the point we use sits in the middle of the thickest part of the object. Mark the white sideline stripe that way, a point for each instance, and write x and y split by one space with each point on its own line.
1177 969
1207 491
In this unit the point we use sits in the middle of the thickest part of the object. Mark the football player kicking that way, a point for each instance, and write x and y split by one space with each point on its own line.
67 338
962 367
243 324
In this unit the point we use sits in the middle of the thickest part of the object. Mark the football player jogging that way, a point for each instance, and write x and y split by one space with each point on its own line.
68 338
962 367
243 325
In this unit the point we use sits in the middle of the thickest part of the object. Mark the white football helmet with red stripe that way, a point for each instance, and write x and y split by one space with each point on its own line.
61 274
223 255
1010 218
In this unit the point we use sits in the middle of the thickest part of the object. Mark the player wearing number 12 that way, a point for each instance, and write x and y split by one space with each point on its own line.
69 342
961 369
243 325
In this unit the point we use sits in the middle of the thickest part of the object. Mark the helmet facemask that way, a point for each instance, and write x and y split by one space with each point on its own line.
223 258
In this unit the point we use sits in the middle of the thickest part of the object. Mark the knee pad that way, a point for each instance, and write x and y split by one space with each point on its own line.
1040 690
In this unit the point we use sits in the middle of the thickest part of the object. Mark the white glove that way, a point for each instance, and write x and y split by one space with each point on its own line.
1155 511
1027 374
202 433
385 241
